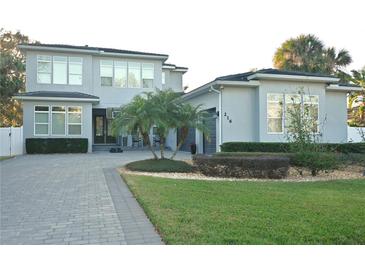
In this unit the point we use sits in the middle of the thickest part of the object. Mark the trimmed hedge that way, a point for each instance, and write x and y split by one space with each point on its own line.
56 145
285 147
160 165
272 167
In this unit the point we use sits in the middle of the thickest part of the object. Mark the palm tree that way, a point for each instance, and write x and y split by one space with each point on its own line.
136 116
358 78
189 116
307 53
164 107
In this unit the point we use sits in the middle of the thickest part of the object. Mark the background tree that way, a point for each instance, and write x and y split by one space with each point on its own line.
356 102
12 76
307 53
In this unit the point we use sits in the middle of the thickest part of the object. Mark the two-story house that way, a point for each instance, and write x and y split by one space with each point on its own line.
75 91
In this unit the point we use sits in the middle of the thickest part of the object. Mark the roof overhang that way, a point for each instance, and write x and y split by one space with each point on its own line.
94 52
302 78
174 68
343 88
65 99
221 83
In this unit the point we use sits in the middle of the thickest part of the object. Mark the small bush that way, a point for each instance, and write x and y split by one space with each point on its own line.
56 145
273 167
161 165
288 147
315 161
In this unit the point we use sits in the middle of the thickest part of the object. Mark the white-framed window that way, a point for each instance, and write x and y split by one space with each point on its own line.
60 70
58 121
134 75
280 106
311 110
163 78
74 120
293 104
41 120
275 113
147 75
120 74
106 73
75 70
44 69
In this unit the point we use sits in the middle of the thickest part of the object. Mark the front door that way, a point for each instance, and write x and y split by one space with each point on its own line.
102 128
99 129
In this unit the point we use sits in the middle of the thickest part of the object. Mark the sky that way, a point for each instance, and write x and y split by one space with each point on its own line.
211 38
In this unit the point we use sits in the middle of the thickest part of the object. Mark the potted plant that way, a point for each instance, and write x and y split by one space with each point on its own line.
193 148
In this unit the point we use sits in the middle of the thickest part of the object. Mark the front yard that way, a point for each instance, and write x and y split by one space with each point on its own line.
226 212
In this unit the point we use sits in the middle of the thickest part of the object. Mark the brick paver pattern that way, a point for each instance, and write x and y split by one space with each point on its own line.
71 199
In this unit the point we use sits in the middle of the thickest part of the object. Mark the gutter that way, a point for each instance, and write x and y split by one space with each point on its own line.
66 99
219 92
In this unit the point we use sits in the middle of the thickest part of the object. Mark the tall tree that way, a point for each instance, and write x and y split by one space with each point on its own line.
12 76
357 114
308 53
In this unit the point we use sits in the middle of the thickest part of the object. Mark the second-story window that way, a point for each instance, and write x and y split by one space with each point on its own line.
147 75
134 75
60 70
163 78
75 70
44 69
106 72
120 74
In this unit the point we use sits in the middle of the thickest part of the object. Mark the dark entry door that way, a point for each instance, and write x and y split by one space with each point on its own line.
102 128
99 129
190 139
210 147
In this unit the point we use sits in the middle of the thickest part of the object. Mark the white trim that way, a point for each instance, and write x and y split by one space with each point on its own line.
220 120
238 83
34 122
343 88
35 98
293 78
92 51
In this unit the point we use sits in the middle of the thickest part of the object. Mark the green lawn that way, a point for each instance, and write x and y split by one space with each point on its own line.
211 212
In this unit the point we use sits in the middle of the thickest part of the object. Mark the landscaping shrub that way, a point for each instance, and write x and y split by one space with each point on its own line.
273 167
315 161
160 165
56 145
287 147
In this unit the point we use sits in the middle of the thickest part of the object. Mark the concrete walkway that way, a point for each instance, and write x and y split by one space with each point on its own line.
71 199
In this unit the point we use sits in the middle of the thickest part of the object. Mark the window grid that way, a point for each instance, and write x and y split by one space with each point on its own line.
78 111
36 123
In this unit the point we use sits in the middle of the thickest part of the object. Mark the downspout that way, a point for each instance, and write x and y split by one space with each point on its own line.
219 92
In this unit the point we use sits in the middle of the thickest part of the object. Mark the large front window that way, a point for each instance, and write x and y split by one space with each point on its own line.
58 120
147 75
106 73
281 107
60 70
44 69
41 120
74 120
134 75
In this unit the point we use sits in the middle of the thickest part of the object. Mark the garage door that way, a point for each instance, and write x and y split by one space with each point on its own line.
210 147
190 139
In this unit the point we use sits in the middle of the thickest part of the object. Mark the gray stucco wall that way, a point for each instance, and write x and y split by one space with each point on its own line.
173 80
28 119
247 107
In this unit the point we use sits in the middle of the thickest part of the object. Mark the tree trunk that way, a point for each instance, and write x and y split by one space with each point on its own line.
146 139
184 135
162 147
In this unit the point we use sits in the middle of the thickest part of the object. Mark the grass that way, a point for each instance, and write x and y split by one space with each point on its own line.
2 158
211 212
164 165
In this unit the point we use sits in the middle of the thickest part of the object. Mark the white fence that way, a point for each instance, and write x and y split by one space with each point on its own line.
11 141
354 134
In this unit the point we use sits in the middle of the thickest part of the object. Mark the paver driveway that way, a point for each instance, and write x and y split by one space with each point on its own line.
71 199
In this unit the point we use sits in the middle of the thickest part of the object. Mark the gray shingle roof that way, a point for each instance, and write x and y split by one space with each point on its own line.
110 50
58 94
243 76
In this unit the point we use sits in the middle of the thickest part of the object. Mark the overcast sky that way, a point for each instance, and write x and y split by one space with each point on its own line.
212 38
